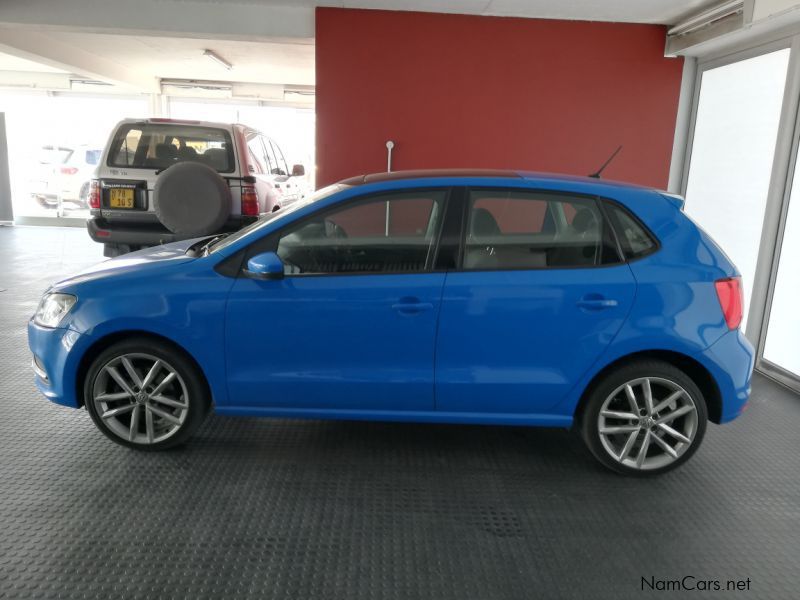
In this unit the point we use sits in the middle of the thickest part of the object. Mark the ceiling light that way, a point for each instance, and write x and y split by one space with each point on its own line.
217 59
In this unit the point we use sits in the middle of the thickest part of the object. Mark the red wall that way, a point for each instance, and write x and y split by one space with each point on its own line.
470 91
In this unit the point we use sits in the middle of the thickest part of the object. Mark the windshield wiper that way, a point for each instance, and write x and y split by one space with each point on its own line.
201 246
207 246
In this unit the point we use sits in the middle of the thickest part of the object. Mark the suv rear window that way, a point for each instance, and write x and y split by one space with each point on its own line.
159 145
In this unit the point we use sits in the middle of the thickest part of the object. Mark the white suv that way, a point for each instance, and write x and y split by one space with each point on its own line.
163 180
64 171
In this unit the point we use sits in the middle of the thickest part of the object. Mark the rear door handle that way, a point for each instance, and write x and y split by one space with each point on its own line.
410 306
596 302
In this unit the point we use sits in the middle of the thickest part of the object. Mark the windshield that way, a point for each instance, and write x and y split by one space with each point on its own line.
159 145
275 216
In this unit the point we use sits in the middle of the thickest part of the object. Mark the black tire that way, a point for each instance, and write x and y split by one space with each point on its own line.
191 199
192 378
660 375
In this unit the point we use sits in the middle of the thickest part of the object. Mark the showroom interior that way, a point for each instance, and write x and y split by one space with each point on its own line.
702 97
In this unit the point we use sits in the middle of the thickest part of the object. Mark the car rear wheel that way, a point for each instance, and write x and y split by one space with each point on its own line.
145 395
645 418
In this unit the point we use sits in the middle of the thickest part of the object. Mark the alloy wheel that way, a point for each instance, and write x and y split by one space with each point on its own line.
141 398
647 423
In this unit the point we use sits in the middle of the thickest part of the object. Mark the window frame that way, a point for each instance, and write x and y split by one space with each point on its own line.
269 243
600 202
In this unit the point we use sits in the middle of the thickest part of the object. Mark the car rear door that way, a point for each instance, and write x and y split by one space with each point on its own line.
540 294
139 150
352 326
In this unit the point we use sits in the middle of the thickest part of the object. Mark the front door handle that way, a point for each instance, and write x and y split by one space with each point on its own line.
411 306
596 302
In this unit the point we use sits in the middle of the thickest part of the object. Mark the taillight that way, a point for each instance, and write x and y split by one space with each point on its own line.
249 201
731 300
94 194
68 170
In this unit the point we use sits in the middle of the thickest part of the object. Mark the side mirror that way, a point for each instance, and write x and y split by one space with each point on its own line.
298 171
264 266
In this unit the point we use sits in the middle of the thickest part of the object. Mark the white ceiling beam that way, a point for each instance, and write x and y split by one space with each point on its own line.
41 48
35 80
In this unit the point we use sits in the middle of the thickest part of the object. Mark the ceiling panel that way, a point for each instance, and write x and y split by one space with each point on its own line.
630 11
182 58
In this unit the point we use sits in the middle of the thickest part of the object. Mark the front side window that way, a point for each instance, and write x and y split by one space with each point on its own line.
389 233
511 229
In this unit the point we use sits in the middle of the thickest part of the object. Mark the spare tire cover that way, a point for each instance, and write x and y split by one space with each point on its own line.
191 199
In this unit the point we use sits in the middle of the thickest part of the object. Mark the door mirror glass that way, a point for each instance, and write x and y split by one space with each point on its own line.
298 171
264 266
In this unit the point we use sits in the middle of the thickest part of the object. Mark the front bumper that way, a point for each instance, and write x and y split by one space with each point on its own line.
731 360
56 358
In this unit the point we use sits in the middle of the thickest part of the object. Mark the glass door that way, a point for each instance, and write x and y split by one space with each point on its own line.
782 342
733 147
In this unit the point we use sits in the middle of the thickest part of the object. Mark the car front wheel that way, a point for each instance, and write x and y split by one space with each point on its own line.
645 418
145 394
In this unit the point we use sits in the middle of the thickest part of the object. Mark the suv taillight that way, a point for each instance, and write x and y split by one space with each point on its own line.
731 299
94 194
249 201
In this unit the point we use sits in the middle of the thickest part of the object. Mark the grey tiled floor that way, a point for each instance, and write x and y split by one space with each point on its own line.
310 509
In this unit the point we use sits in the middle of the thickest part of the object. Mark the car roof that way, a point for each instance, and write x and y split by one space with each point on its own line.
471 174
170 121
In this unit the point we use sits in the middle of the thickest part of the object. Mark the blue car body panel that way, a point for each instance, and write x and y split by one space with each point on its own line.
346 342
502 347
501 338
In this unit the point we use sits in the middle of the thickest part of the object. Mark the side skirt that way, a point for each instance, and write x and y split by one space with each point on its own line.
537 420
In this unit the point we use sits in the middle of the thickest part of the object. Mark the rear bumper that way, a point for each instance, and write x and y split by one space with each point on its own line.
105 232
731 360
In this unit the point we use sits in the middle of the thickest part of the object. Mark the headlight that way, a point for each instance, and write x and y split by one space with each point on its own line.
53 308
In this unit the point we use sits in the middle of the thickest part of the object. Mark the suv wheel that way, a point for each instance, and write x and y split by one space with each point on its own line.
145 395
645 418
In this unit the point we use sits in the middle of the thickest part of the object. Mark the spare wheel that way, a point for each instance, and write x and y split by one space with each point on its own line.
191 199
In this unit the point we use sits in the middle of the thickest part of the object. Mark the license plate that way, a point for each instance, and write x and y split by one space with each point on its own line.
120 198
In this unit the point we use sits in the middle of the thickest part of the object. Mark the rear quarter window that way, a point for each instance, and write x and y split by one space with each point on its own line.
634 238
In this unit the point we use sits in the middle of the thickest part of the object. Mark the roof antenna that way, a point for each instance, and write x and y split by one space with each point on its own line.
597 173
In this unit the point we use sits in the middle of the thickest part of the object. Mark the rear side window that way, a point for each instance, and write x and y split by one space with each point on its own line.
281 162
258 162
512 229
159 145
633 237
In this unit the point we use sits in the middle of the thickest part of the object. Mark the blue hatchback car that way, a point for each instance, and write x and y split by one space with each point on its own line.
486 297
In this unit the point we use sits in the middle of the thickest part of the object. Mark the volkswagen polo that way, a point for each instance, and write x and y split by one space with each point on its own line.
479 297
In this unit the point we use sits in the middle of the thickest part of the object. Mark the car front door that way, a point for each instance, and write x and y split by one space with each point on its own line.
540 294
352 325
